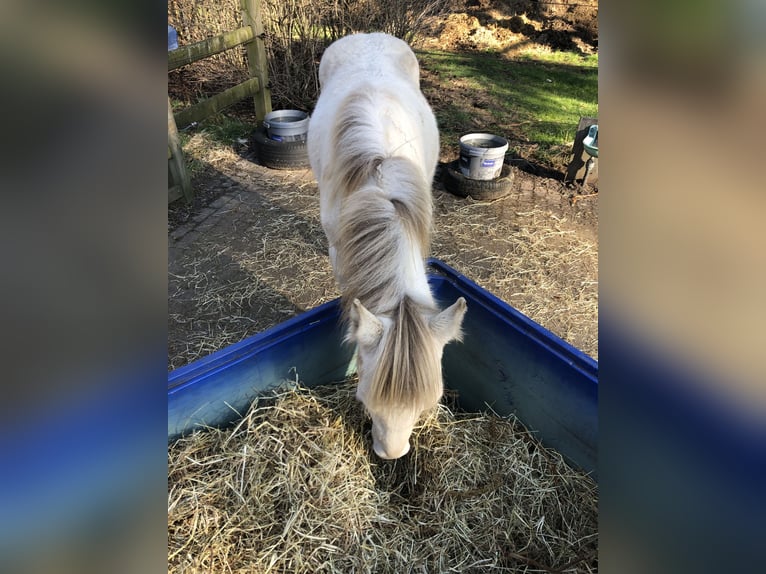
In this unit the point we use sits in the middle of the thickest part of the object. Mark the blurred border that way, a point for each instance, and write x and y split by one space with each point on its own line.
83 290
683 272
83 239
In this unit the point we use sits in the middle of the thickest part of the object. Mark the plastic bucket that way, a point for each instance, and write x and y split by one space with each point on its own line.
482 155
286 125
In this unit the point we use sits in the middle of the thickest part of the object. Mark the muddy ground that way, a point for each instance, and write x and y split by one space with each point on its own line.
509 25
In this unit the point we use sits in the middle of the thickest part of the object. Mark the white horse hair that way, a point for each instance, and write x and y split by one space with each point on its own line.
373 145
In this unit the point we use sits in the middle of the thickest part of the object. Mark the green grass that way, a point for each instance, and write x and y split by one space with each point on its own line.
535 100
224 129
219 131
567 58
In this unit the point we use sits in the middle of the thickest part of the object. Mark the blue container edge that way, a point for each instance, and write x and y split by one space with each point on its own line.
237 352
542 336
233 354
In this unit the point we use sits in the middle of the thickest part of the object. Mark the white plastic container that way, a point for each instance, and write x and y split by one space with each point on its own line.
482 155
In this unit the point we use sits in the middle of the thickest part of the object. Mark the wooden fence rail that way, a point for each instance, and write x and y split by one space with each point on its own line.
251 35
190 53
216 103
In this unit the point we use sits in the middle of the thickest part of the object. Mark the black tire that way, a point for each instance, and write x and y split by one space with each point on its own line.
279 155
458 184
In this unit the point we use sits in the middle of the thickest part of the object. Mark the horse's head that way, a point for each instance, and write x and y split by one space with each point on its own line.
399 366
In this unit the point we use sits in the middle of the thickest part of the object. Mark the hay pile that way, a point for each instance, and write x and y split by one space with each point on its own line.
295 487
539 262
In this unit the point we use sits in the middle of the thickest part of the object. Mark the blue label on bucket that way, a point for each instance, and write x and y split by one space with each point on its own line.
488 163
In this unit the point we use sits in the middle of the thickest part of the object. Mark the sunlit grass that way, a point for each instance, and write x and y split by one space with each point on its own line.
535 100
552 57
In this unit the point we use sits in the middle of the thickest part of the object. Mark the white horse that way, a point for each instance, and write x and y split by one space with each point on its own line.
373 145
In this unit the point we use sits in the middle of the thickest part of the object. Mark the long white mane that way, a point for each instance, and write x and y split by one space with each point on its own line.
373 146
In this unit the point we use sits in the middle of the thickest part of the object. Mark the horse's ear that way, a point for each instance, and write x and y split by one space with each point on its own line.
366 327
446 325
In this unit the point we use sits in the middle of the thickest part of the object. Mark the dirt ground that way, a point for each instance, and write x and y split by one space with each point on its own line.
257 255
251 253
508 25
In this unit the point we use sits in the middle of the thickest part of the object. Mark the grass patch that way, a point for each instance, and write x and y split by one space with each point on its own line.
221 129
566 58
218 133
535 100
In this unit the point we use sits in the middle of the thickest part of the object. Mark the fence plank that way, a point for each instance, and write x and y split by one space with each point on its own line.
217 103
257 62
200 50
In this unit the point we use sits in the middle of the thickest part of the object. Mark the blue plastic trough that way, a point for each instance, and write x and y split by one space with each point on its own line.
507 362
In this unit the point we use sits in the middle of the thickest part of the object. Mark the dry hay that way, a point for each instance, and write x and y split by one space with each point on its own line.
259 260
294 487
541 261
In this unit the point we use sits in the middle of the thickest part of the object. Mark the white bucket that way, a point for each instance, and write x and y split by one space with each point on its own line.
286 125
482 155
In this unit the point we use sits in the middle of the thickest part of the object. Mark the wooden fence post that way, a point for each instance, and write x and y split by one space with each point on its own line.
256 57
576 168
179 176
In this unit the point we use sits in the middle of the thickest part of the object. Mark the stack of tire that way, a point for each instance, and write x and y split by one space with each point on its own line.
280 143
481 172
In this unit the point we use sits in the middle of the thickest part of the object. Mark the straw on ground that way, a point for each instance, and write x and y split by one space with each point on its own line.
295 487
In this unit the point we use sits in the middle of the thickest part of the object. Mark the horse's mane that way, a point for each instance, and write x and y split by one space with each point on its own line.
386 213
387 207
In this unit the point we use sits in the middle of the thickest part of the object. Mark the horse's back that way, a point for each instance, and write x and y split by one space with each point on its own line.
371 79
370 57
373 145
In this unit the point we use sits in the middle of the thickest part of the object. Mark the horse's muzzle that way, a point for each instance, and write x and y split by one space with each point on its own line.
389 455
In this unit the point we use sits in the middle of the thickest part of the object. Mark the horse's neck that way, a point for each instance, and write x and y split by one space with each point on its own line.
412 275
406 278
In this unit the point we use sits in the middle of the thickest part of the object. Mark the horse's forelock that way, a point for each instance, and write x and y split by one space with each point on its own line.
408 374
